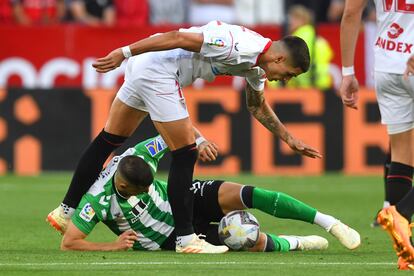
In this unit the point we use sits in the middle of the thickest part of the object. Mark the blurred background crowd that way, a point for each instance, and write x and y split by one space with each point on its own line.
297 17
160 12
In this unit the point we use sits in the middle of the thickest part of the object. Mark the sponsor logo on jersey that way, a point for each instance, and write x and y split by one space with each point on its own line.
137 211
155 146
87 212
395 31
389 45
216 42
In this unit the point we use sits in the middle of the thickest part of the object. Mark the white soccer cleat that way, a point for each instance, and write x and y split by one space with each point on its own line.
306 243
346 235
57 220
200 246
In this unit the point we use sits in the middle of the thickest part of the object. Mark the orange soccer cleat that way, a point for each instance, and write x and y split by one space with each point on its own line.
404 265
400 231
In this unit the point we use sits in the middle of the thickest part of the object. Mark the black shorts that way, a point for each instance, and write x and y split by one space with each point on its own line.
207 212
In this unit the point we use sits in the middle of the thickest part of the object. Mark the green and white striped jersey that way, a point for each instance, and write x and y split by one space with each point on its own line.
148 214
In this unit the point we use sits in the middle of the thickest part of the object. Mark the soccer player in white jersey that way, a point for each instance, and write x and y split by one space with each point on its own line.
136 207
394 85
157 68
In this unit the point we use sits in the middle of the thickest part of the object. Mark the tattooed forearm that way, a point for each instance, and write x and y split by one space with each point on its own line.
261 110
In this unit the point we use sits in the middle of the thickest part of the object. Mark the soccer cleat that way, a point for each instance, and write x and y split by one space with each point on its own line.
306 243
404 265
200 246
400 231
347 236
57 220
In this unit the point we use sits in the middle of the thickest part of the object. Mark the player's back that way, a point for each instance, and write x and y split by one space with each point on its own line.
395 35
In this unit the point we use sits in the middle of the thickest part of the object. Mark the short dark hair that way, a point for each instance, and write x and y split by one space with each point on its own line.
298 52
135 171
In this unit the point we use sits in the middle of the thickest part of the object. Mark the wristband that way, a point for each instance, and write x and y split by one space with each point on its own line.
200 140
126 51
348 71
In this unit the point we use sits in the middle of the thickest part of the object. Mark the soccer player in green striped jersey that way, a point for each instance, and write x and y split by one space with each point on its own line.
135 206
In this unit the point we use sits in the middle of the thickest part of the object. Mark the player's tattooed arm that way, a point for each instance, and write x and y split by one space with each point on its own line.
261 110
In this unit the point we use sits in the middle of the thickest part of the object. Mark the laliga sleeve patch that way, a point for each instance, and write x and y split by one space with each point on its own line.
87 212
216 41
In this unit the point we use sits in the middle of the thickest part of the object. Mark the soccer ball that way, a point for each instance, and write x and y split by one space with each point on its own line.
239 230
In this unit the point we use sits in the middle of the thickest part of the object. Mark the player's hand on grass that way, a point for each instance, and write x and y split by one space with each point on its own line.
301 148
208 151
126 240
409 71
112 61
349 91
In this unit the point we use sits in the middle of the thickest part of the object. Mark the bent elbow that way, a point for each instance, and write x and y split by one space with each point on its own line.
65 245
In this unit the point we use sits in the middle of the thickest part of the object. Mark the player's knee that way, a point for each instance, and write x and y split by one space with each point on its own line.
185 156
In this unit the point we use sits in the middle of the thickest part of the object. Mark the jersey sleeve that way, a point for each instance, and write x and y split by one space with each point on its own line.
152 150
256 78
85 217
217 43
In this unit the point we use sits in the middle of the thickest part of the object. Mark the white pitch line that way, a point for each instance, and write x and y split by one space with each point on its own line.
199 263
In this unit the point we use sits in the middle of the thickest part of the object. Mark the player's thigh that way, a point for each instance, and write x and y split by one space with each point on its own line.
402 147
123 119
229 197
206 200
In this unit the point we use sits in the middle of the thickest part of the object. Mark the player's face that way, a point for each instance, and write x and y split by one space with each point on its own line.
280 69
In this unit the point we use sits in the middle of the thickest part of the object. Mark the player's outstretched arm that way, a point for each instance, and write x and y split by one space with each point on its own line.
260 109
350 24
166 41
74 239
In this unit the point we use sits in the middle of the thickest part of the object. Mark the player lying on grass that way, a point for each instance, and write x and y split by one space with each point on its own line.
135 207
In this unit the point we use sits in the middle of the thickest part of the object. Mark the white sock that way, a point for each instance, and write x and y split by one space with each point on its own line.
386 204
67 211
292 240
324 221
184 240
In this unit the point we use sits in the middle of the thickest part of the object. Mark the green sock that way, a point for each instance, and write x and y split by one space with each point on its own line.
281 205
281 244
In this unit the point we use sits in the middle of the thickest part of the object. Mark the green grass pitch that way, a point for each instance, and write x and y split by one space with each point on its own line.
29 246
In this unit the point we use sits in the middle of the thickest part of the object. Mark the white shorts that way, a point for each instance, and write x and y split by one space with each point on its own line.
395 97
153 87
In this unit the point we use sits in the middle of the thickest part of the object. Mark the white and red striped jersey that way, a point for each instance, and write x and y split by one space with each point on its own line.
395 35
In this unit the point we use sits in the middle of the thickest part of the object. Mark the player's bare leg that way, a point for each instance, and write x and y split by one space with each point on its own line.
179 136
122 122
233 196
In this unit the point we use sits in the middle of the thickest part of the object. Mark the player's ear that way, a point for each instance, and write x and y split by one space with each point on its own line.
279 59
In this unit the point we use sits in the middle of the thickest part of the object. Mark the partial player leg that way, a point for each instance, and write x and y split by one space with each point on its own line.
234 196
387 187
395 97
122 122
273 243
179 136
